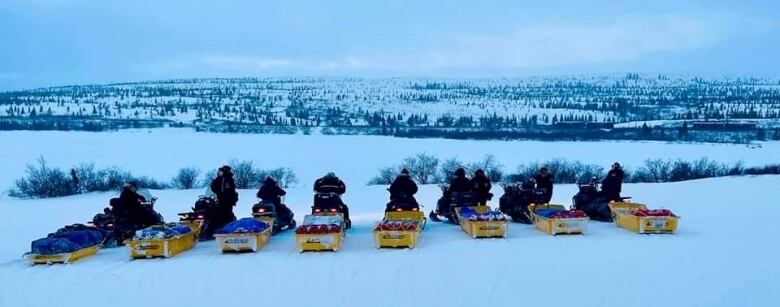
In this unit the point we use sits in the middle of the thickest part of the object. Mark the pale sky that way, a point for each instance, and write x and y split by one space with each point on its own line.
60 42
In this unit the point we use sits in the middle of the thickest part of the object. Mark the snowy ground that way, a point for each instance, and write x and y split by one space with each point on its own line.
723 255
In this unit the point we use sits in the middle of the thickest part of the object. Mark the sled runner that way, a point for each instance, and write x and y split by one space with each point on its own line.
481 222
322 231
400 229
629 216
183 238
557 225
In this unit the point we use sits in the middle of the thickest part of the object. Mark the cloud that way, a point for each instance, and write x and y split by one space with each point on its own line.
539 45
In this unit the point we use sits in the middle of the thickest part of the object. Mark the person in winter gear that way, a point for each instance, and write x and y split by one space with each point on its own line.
612 184
544 180
270 191
460 183
224 187
481 185
331 184
402 191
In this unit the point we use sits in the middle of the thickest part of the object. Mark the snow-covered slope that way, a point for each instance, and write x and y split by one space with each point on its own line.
724 255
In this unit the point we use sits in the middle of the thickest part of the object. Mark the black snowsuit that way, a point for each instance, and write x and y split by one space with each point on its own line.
224 187
460 184
612 184
481 185
330 185
333 185
270 191
402 191
545 181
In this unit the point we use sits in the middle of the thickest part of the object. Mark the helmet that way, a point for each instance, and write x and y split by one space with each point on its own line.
460 172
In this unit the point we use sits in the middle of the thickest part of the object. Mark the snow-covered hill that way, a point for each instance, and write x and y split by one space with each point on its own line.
723 255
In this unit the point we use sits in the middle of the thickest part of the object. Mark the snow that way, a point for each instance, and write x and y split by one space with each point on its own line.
723 255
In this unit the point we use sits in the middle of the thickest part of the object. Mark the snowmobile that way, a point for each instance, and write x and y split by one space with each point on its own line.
203 212
446 205
280 219
119 228
596 205
329 204
517 199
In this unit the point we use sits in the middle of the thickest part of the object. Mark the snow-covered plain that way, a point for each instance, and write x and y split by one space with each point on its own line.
723 255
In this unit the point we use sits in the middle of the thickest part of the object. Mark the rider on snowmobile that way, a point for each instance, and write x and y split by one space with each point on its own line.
331 185
612 184
460 183
544 180
402 191
224 187
130 206
481 185
270 191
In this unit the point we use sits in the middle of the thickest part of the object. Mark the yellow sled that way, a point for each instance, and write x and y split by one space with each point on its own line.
401 238
243 242
166 248
482 229
623 214
557 226
321 242
65 258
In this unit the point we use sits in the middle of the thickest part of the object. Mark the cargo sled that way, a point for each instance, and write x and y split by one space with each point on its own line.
556 225
481 222
167 246
322 231
67 245
400 229
65 258
628 216
244 235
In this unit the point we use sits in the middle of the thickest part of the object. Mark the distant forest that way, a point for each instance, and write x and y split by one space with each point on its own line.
630 106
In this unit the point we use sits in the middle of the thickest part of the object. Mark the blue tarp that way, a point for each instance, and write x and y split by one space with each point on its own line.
162 231
244 225
548 212
66 242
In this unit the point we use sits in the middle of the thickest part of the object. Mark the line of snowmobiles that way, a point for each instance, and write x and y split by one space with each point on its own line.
324 229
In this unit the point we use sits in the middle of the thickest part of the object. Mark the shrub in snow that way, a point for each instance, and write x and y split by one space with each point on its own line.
422 167
43 181
186 178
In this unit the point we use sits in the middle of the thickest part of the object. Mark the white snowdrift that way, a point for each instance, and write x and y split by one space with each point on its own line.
724 255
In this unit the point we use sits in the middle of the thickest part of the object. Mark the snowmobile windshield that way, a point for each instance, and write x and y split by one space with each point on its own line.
208 193
145 194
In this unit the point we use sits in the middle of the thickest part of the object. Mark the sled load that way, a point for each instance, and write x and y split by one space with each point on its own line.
244 235
482 222
400 228
449 201
67 245
131 211
166 240
518 197
321 231
281 218
637 218
555 219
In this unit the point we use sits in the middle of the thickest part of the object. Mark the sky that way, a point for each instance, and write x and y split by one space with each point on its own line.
63 42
